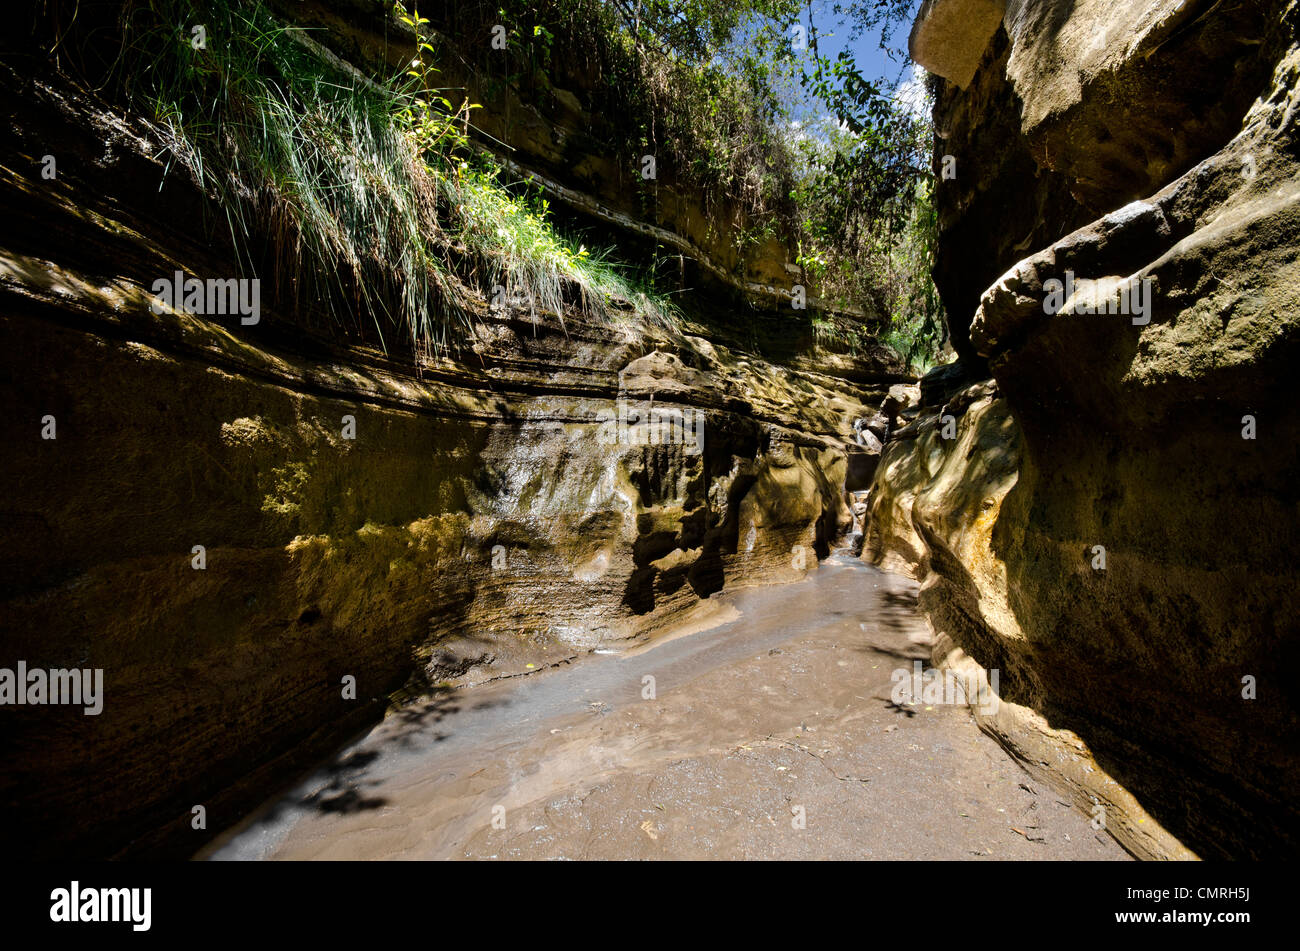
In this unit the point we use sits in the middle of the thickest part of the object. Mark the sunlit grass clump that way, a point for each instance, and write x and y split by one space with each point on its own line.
526 257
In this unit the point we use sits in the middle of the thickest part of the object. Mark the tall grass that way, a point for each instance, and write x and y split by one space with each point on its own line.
350 189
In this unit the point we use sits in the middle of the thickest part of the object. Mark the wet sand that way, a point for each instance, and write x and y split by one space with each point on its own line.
770 735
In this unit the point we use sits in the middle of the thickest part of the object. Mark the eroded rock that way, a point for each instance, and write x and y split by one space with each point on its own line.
366 526
1111 532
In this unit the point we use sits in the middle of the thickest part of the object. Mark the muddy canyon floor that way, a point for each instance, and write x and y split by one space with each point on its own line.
771 732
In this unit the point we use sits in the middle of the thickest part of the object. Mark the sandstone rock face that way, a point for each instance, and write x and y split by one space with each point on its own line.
1122 97
951 36
1136 429
1091 105
996 203
939 514
561 485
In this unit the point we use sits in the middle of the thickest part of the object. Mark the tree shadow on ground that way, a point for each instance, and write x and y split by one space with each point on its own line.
342 790
899 708
412 727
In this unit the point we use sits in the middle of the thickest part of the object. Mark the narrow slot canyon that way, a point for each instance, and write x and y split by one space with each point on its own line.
589 431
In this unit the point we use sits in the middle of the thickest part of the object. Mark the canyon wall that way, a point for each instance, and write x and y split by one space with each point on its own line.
1114 520
266 538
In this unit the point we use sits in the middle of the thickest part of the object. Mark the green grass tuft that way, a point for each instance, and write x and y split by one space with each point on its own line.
347 189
